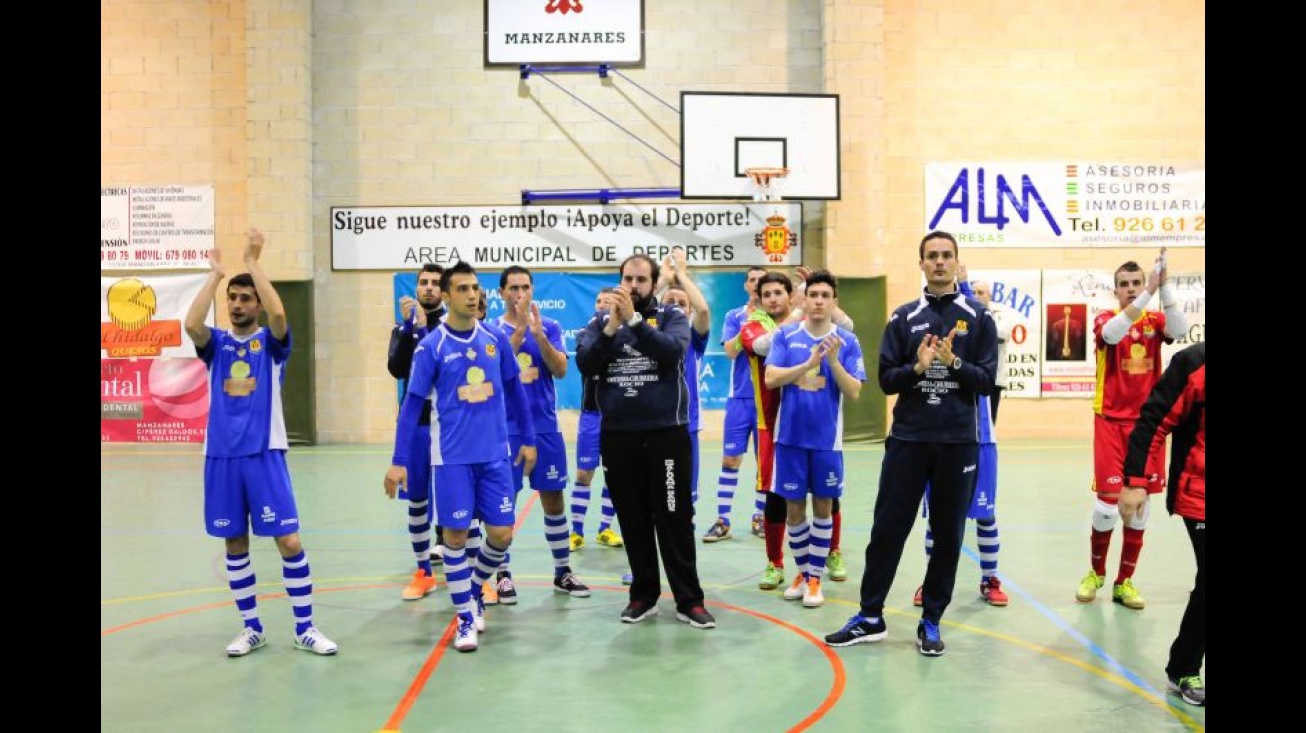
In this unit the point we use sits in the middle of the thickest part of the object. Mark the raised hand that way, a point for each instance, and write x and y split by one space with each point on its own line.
803 272
831 345
944 347
927 352
215 262
536 320
962 274
254 245
678 257
406 305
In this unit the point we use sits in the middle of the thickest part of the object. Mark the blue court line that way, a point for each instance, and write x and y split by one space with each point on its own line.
1092 646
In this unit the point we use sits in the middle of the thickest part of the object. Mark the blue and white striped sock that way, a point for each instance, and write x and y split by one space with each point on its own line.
726 484
800 545
986 531
419 532
580 503
555 532
605 506
240 577
819 546
458 576
489 560
299 586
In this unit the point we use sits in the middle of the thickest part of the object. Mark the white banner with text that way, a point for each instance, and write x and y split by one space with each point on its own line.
1068 204
156 227
575 237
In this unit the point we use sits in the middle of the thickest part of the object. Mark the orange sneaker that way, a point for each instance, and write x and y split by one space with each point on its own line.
919 598
419 587
991 591
490 594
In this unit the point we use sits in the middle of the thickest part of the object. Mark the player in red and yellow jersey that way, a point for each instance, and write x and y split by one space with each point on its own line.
775 292
1128 365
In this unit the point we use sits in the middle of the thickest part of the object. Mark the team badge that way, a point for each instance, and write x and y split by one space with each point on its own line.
471 354
776 239
490 351
255 345
962 327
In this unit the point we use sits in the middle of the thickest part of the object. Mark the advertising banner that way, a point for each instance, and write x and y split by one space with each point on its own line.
593 237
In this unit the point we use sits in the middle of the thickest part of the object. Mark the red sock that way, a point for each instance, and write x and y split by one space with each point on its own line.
837 532
1133 545
775 533
1099 544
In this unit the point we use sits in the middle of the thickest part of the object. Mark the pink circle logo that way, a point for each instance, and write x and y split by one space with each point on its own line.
180 387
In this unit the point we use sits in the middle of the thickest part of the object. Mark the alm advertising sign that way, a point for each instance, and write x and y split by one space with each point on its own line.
565 237
1069 204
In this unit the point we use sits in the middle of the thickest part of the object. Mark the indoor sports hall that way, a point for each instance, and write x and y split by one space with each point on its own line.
362 141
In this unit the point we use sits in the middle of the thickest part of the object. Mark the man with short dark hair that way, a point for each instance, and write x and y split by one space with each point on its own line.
418 317
637 349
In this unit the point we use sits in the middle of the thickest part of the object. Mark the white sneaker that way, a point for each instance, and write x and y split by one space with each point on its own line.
796 589
315 641
478 613
465 641
812 595
245 642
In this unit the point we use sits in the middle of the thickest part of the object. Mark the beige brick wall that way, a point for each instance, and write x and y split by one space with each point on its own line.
291 107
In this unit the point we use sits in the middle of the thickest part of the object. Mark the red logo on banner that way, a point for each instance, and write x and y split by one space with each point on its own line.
563 6
132 330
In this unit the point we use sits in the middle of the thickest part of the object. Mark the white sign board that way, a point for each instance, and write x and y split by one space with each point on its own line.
564 31
565 237
156 227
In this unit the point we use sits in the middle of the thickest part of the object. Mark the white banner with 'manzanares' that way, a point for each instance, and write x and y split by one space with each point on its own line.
565 237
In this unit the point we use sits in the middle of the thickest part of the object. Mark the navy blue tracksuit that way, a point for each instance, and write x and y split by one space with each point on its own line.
934 439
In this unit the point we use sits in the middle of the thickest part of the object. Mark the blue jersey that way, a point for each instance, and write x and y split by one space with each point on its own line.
536 377
811 409
741 377
245 376
463 376
693 363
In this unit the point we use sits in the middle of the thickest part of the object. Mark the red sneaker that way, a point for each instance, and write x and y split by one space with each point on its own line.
991 591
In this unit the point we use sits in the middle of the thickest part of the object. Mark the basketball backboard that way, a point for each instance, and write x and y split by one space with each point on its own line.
724 133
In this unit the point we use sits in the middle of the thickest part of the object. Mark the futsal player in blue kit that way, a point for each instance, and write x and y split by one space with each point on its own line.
468 371
816 365
246 481
537 343
587 463
681 291
740 419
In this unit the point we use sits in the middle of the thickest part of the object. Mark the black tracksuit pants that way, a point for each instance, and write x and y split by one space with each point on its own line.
648 473
950 469
1189 648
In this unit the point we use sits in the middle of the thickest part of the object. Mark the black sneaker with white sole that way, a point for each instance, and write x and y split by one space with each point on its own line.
568 583
698 617
858 630
928 640
637 611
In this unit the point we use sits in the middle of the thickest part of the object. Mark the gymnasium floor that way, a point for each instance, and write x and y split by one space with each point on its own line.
553 663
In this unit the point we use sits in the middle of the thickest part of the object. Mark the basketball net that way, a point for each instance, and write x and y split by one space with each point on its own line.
763 182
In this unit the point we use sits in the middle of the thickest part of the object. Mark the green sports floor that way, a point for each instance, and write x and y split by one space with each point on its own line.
554 663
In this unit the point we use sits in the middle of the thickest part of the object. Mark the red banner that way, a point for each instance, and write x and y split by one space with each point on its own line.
153 400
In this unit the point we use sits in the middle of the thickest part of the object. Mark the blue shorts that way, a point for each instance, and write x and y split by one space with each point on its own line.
799 471
550 472
261 481
741 422
587 441
418 485
984 502
467 491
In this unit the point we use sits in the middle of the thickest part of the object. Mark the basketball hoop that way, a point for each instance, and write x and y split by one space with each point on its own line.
762 177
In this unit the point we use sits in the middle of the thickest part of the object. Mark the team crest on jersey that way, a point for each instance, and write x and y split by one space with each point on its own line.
490 351
963 327
1149 331
255 345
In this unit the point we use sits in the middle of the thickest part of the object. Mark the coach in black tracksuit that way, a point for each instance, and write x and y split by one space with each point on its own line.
939 353
637 348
